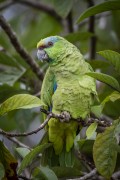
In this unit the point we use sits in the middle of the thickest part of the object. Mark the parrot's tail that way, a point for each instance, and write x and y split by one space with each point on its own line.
62 134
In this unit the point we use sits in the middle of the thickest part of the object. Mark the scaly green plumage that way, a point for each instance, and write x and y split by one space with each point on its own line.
74 92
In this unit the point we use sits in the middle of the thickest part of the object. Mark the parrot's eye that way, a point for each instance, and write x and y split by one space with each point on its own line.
50 43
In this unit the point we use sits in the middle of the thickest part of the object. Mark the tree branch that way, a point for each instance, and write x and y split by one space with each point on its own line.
18 142
70 23
19 48
6 4
89 175
116 175
86 176
29 133
91 26
24 178
40 6
62 118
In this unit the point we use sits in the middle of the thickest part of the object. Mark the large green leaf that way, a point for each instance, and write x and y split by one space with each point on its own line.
105 151
109 80
113 57
44 173
63 7
78 36
20 101
31 156
8 161
105 6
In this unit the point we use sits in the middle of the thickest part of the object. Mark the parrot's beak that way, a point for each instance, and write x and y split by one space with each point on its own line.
42 55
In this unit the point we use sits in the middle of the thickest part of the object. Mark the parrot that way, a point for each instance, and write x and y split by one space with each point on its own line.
66 89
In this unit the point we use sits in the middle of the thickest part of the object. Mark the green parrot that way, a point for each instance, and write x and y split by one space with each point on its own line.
66 89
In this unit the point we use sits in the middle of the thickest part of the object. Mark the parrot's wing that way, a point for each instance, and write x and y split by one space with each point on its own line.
48 88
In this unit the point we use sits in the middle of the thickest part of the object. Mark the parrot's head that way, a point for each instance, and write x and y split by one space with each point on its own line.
50 48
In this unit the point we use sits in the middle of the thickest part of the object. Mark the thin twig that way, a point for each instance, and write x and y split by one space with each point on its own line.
84 160
19 48
29 133
116 175
62 118
23 177
89 175
38 5
86 176
16 141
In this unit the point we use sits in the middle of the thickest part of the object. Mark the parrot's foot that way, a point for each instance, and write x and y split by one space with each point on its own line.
66 117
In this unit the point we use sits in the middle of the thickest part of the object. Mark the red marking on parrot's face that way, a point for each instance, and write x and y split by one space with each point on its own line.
49 44
41 47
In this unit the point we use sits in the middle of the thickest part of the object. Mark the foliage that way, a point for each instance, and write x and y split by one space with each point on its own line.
105 155
97 144
8 161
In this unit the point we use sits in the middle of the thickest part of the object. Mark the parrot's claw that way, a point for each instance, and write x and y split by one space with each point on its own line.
66 117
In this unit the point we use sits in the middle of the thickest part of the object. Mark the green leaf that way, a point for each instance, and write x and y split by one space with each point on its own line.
112 97
105 6
78 36
31 156
63 7
20 101
22 151
45 173
69 158
11 70
2 171
97 110
104 150
117 147
113 57
66 172
109 80
8 161
86 146
91 129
